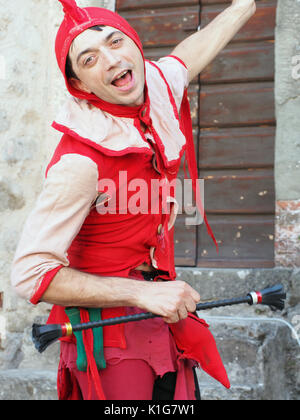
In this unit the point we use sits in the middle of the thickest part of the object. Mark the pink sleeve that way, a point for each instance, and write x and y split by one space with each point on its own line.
66 199
176 74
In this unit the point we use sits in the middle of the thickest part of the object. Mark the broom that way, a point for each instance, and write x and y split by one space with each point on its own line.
45 335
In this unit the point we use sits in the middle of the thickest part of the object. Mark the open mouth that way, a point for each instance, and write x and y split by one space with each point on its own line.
124 81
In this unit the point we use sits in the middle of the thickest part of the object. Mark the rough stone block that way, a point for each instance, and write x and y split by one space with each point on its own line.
287 244
19 149
4 121
259 357
19 385
11 197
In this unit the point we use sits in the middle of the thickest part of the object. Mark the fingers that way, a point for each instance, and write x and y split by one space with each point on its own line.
177 316
182 313
173 301
181 310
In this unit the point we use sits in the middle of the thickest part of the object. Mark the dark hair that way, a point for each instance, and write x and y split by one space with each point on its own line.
69 68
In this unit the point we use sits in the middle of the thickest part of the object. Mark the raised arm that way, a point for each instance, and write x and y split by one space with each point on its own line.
200 49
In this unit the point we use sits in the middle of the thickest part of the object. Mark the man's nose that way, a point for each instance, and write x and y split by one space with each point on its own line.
111 59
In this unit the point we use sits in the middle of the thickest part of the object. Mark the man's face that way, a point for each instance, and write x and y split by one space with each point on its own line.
110 65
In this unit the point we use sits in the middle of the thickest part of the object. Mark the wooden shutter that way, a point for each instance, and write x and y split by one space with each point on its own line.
236 144
233 112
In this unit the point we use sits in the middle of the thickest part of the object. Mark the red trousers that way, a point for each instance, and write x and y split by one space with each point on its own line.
119 382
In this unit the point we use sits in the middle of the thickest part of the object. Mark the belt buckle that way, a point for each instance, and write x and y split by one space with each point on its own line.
149 275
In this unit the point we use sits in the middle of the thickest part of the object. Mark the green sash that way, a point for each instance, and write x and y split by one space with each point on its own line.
98 351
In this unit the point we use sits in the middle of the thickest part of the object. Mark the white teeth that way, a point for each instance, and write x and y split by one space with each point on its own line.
122 74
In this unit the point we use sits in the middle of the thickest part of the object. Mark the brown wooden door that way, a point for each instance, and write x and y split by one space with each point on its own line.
233 112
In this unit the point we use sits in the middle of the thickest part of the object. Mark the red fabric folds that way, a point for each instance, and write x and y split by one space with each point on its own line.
44 284
92 370
193 338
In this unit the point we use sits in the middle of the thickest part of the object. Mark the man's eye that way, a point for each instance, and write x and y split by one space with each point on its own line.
88 60
117 41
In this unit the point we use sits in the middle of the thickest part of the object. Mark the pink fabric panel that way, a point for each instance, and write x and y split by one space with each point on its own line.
119 382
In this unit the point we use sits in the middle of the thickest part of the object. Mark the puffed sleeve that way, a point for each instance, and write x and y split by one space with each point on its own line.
68 193
176 74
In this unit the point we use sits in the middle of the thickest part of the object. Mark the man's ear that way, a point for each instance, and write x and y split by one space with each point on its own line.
79 85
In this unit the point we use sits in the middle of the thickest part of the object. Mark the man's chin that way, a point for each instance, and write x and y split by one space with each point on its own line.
131 100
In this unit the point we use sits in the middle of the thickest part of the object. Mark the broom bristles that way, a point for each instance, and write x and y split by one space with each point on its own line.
274 297
45 335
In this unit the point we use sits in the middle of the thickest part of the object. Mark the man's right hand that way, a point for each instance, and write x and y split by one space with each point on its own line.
172 300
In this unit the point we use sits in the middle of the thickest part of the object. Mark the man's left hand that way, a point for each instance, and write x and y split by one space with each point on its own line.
245 4
200 49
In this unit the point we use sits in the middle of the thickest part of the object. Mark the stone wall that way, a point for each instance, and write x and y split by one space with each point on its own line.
32 89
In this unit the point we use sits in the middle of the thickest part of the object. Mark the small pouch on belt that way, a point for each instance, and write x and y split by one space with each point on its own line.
98 348
155 275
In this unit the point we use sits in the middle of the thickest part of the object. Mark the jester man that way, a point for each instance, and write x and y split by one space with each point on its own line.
84 248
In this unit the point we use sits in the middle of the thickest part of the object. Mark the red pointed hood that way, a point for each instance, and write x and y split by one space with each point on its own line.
76 21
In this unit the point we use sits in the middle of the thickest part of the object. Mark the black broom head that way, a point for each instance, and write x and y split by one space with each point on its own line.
274 297
44 335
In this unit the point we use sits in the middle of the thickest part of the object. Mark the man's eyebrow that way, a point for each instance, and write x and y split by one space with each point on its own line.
85 52
107 39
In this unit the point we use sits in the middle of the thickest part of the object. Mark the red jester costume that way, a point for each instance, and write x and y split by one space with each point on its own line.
69 226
